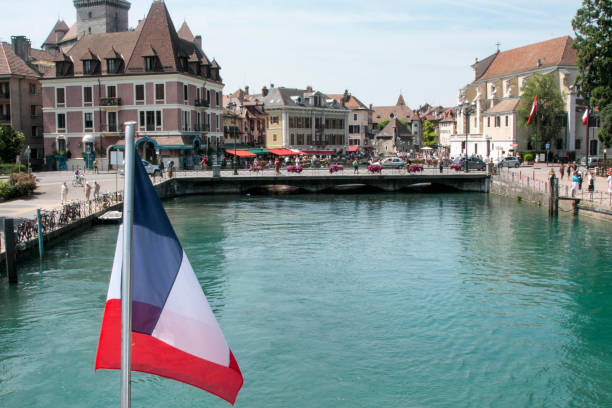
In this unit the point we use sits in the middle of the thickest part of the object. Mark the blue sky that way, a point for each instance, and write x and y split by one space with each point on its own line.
373 49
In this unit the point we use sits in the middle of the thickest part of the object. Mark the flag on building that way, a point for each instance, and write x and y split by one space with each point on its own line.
585 117
534 109
174 332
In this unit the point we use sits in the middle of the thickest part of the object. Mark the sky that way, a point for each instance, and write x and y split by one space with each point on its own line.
373 49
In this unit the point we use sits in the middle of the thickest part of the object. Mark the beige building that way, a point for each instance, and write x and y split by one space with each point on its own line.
487 107
307 120
359 122
382 114
393 139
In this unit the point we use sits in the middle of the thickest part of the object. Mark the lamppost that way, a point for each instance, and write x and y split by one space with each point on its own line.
467 109
230 107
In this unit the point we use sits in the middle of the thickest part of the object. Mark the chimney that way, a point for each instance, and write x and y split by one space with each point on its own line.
309 88
246 90
346 96
198 41
264 91
271 85
21 47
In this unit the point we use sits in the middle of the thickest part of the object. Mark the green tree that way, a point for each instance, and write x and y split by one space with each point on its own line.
593 27
605 131
381 125
11 143
429 133
546 126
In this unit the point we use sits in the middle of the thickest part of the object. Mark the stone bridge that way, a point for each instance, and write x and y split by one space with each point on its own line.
477 182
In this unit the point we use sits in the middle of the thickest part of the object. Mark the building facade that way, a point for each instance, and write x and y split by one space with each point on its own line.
20 93
360 135
385 114
487 120
307 120
153 76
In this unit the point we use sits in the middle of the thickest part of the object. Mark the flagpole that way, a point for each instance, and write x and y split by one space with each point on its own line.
126 275
587 138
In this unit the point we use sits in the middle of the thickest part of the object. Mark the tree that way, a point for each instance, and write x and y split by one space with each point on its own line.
605 132
593 27
381 125
548 121
11 143
429 133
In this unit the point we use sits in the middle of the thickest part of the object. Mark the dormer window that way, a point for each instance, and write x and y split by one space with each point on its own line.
182 64
64 68
114 65
152 64
91 67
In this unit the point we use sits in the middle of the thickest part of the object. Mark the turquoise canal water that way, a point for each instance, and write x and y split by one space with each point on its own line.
344 301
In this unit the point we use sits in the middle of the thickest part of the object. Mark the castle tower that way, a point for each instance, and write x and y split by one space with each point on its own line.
101 16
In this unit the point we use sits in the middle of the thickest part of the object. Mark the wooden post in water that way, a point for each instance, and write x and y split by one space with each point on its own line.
553 197
41 247
8 230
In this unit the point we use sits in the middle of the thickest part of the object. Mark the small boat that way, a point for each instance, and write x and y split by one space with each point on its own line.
111 217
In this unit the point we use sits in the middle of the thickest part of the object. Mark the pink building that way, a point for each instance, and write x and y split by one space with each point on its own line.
155 76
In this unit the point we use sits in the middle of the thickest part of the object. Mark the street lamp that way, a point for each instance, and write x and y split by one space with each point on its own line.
467 109
230 107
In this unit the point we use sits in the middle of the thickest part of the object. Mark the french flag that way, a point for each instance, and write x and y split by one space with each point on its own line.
585 117
174 332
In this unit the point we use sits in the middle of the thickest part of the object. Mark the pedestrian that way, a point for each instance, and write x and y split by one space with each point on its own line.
562 170
95 164
591 183
161 168
87 191
580 179
355 166
610 182
203 163
64 192
574 183
96 190
277 166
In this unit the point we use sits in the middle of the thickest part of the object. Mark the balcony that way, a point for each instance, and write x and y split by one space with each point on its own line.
199 127
202 103
111 130
110 104
5 118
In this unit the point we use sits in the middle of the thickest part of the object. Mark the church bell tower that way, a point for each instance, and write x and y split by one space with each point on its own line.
101 16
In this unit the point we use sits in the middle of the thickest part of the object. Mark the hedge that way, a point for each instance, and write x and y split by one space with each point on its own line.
8 168
18 185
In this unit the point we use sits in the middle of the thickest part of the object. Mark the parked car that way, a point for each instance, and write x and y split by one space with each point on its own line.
510 161
593 161
151 169
392 162
474 163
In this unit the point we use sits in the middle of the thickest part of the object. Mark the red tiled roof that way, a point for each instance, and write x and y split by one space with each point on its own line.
352 103
71 34
389 130
52 38
508 105
10 63
555 52
185 33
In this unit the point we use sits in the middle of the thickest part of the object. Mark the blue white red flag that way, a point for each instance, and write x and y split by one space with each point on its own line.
174 332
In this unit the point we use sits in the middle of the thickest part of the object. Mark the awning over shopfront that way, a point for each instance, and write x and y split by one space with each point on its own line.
160 143
318 151
241 153
259 151
282 152
353 148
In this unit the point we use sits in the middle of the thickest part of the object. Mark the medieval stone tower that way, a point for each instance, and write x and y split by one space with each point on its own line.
101 16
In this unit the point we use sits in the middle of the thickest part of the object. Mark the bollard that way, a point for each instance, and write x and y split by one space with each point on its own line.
41 248
553 204
11 252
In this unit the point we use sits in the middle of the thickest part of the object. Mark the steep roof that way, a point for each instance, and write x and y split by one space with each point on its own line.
390 129
400 101
382 113
555 52
281 97
71 34
53 37
185 33
480 67
507 105
352 103
11 64
156 36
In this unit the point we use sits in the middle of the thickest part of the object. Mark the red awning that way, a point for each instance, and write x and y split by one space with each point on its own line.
282 152
353 148
319 151
242 153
